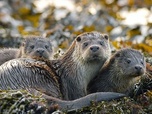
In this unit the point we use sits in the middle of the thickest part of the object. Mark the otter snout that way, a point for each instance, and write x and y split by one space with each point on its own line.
94 48
139 70
40 51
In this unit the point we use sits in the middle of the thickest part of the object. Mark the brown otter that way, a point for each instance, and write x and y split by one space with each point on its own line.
74 70
120 73
81 62
66 78
32 47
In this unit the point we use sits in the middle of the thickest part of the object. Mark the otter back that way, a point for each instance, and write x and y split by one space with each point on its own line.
120 73
28 73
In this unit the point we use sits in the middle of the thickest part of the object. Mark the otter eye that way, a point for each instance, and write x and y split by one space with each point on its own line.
106 36
128 61
78 39
46 46
32 46
85 44
102 43
142 62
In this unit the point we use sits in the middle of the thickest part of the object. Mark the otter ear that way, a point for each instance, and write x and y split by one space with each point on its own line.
23 43
106 36
78 39
112 60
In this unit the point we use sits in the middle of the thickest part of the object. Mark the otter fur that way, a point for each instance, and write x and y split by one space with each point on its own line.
32 47
66 78
81 62
7 54
74 70
120 73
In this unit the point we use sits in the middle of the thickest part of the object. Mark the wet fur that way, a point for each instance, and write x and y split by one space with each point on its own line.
73 71
117 75
76 69
65 78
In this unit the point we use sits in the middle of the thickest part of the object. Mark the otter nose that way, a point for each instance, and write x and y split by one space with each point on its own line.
94 48
138 68
40 51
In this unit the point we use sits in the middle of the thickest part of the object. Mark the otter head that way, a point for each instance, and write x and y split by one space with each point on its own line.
92 46
37 47
129 63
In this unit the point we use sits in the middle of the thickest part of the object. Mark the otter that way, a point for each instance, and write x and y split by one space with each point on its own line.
66 78
81 62
36 47
32 47
120 73
73 70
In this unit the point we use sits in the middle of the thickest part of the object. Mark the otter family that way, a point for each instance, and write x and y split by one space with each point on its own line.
81 75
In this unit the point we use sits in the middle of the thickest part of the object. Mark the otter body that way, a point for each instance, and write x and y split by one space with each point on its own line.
81 62
73 71
7 54
120 73
66 78
32 47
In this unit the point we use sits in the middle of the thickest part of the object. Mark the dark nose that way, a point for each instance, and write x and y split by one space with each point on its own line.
94 48
138 68
40 51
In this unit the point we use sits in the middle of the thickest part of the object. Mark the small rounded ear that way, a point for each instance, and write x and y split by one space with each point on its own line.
78 39
106 36
23 43
50 42
112 60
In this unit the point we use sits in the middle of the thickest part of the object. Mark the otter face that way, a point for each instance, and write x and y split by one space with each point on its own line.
93 46
38 48
130 62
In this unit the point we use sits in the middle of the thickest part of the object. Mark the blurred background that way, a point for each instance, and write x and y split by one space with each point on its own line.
127 22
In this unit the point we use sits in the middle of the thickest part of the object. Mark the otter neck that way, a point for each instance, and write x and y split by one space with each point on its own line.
114 75
75 75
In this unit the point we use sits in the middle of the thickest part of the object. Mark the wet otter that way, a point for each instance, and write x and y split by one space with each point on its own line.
32 47
120 73
66 78
74 70
81 62
36 47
